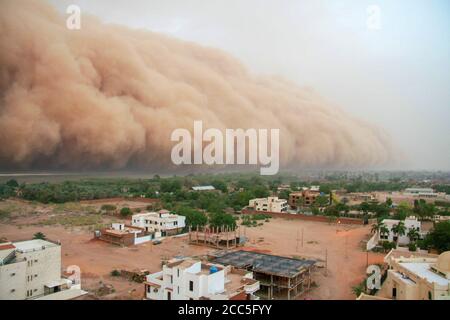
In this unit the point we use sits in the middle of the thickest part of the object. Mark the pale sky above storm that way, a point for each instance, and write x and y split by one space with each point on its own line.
395 78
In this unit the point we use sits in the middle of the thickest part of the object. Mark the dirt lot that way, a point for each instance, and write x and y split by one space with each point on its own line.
339 245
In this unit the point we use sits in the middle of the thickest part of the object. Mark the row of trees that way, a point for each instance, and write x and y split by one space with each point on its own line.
438 238
196 218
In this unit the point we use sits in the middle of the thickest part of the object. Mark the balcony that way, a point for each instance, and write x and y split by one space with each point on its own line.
251 287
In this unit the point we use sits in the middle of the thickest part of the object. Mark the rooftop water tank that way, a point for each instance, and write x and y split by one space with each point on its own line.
213 269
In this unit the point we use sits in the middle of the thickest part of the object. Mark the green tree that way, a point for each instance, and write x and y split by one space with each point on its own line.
377 227
194 218
413 234
322 201
220 185
125 212
439 237
388 202
384 230
222 220
399 230
12 183
39 235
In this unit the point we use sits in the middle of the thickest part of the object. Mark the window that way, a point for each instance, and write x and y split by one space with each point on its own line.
169 295
178 273
178 290
175 223
191 285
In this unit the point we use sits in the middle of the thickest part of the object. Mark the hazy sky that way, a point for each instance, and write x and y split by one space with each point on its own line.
396 76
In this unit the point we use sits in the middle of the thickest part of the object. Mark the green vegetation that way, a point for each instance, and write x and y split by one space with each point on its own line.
424 210
108 207
39 235
253 220
115 273
439 237
125 212
399 230
218 220
74 220
194 218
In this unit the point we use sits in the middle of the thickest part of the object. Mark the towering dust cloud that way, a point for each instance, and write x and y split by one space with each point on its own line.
107 97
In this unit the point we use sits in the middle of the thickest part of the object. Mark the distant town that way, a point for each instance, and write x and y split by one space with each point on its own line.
232 236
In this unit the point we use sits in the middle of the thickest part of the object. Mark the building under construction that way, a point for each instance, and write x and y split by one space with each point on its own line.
216 237
279 277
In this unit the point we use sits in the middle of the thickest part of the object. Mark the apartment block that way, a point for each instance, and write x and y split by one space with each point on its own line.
32 270
190 279
416 276
304 198
270 204
162 223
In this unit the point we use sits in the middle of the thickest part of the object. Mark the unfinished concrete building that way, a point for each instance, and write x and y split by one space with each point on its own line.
279 277
221 237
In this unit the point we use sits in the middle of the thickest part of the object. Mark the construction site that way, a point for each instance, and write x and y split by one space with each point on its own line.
216 237
279 277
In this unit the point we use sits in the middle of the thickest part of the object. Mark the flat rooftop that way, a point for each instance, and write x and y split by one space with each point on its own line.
422 269
36 244
264 263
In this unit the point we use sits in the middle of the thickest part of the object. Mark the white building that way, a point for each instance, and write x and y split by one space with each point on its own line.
162 223
32 270
189 279
413 276
270 204
410 223
421 192
203 188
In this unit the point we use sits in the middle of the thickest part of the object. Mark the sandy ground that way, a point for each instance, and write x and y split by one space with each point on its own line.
340 246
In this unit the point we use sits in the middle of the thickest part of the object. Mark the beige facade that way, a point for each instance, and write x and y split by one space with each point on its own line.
417 277
270 204
162 223
30 270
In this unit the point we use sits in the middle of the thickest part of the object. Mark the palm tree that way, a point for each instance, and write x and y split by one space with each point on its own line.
384 230
377 226
399 230
39 235
413 234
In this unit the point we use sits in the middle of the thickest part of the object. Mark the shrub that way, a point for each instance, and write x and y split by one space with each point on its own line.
39 235
125 212
115 273
412 246
109 207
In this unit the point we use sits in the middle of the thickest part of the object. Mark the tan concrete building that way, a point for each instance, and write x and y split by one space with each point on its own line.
32 270
416 277
161 223
302 198
270 204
